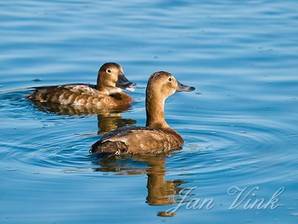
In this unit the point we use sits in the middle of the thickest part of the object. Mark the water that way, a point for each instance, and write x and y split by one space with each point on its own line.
240 126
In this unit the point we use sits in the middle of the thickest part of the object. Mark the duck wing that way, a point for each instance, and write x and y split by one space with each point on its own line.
81 89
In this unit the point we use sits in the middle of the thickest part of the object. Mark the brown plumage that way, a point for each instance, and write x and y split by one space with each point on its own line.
107 94
157 137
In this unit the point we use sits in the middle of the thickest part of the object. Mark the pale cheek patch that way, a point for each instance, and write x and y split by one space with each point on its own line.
130 88
172 91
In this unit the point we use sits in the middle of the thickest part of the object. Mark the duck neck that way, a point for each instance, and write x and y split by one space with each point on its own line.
105 87
99 84
155 112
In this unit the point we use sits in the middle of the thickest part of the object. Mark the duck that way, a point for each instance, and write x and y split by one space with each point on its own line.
157 137
107 94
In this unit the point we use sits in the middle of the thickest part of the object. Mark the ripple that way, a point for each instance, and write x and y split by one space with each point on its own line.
211 141
232 146
240 127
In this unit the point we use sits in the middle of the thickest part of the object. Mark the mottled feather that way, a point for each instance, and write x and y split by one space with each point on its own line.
80 95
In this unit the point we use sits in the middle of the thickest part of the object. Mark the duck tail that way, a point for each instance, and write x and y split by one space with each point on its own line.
109 147
36 95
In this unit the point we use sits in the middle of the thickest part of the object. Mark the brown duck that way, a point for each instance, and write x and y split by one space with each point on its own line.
107 94
157 137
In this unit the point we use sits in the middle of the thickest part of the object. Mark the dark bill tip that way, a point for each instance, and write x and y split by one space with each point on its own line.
184 88
123 82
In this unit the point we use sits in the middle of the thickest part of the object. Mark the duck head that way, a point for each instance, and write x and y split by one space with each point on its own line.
160 86
111 79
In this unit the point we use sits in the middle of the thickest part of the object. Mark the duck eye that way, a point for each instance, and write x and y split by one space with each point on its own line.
170 79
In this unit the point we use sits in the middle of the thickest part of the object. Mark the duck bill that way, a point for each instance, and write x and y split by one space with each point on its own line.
124 83
184 88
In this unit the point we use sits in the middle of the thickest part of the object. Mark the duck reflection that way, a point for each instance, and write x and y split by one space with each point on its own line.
73 110
110 121
160 191
107 120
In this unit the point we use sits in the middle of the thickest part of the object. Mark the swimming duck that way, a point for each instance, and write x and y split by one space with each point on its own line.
107 94
157 137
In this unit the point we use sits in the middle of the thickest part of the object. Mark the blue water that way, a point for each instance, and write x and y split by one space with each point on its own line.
240 126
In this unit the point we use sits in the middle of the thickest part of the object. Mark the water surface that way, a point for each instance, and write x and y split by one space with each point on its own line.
240 126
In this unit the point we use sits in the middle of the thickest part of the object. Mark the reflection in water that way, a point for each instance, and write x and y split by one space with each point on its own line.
107 120
72 110
110 121
160 191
